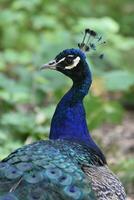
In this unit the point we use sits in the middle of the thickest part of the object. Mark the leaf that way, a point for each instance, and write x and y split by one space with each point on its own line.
118 80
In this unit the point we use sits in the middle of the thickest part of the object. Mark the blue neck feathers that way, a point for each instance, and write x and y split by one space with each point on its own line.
69 120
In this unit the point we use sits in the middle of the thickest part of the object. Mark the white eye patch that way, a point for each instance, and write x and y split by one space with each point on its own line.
64 58
70 55
75 63
61 60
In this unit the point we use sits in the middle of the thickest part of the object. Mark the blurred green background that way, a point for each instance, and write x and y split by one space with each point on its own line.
32 33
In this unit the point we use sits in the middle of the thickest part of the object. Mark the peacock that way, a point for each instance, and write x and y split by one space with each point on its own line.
70 165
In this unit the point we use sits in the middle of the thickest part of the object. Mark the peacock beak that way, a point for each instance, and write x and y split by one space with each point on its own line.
50 65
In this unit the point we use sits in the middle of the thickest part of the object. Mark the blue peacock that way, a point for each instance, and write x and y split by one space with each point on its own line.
70 165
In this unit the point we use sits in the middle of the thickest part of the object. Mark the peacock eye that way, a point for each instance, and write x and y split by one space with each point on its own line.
68 61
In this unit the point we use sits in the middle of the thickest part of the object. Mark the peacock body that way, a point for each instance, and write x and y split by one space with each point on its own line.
68 166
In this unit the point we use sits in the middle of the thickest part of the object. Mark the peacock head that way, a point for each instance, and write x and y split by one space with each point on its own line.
72 62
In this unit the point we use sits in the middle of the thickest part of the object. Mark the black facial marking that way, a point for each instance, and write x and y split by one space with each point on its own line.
51 63
68 61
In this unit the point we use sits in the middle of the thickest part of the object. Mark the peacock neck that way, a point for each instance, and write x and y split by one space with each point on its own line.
69 119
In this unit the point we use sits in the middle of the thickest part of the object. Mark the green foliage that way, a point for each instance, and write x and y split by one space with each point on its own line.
99 111
32 33
118 80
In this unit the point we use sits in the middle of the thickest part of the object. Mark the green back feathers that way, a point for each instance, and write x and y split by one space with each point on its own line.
46 170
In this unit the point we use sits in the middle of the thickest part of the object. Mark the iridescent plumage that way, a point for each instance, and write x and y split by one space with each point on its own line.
68 166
